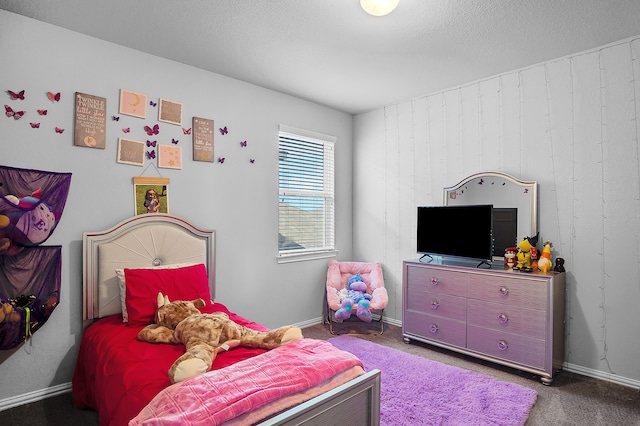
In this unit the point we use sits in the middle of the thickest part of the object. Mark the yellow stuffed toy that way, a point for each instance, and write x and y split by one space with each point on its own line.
523 258
205 335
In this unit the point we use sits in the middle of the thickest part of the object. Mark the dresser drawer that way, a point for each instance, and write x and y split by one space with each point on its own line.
507 318
436 328
438 304
511 347
510 291
436 280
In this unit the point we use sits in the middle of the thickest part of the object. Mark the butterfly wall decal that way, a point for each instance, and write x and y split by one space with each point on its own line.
243 144
35 125
152 130
42 111
126 129
153 103
151 143
115 118
252 160
59 130
223 130
481 182
221 160
53 97
151 154
14 95
11 113
174 141
186 131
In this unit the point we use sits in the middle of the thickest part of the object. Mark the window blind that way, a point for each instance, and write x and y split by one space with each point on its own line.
306 193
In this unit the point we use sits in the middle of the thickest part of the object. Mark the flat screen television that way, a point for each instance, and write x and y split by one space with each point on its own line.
456 231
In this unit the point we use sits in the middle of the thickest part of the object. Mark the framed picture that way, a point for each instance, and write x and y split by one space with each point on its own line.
169 156
170 112
202 139
130 152
91 121
132 103
151 195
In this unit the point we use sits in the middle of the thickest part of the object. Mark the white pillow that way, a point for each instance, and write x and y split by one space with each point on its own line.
123 284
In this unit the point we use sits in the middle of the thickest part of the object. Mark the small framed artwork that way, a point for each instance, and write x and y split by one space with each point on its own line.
132 103
202 139
90 124
151 195
130 152
170 112
169 156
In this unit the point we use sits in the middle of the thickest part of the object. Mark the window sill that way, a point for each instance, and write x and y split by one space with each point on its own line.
301 257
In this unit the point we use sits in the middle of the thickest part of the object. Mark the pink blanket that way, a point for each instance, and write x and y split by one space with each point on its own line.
220 395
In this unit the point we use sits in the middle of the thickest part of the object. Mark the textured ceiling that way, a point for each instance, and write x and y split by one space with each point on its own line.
333 53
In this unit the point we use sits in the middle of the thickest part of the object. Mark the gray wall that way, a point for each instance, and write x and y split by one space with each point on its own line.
572 124
238 199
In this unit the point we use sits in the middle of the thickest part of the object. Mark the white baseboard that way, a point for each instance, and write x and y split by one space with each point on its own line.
597 374
34 396
393 321
319 320
308 323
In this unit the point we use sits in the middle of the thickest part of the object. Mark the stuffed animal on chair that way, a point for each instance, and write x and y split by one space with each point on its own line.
205 335
355 295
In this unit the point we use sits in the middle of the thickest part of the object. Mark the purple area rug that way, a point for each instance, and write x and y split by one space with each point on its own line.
418 391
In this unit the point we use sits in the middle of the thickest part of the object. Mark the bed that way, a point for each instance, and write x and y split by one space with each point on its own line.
126 381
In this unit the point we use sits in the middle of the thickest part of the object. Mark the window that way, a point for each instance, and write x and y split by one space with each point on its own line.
306 195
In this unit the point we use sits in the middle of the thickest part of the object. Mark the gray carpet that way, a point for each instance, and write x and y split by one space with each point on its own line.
571 400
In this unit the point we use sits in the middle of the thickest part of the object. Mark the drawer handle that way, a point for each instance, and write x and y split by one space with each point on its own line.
503 291
434 281
433 328
435 304
503 345
503 318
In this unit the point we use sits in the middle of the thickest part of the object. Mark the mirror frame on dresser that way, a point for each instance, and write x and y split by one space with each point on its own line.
494 185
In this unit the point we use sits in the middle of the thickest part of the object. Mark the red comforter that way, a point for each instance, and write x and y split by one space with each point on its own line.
117 375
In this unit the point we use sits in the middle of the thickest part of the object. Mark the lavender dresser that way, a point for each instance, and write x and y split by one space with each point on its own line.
511 318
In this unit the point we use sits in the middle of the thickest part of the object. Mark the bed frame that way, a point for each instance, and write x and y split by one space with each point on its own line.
156 239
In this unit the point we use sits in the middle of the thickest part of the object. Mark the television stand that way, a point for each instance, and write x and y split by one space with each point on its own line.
507 317
485 263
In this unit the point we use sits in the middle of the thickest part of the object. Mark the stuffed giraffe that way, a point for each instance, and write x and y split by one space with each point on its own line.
205 335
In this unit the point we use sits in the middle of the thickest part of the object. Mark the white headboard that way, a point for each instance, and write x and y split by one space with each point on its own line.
140 241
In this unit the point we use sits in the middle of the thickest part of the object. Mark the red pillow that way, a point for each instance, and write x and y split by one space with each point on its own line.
143 285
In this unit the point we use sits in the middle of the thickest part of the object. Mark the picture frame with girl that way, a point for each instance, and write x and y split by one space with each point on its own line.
151 195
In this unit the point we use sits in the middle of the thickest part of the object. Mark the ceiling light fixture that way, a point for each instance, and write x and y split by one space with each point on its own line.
379 7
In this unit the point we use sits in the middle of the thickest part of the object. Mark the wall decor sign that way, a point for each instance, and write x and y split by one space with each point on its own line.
169 156
132 103
91 121
170 112
130 152
202 132
151 195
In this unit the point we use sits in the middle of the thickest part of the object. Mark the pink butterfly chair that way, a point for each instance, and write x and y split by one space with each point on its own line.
338 274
